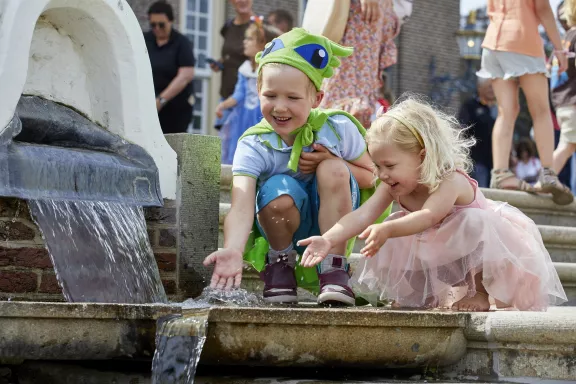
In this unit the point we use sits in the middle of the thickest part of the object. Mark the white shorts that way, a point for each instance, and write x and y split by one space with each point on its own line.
567 119
509 65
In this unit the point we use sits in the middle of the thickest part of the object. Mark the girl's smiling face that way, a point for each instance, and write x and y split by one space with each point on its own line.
398 168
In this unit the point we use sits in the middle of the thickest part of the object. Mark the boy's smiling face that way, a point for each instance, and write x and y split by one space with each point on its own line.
286 97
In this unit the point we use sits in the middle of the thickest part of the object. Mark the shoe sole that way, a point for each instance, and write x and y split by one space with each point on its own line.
281 299
335 298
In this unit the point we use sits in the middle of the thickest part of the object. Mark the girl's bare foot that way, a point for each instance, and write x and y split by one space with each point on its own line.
477 303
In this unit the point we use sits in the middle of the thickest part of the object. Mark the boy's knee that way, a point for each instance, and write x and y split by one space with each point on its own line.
332 175
278 206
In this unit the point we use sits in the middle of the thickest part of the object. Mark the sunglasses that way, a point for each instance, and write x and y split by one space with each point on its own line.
160 25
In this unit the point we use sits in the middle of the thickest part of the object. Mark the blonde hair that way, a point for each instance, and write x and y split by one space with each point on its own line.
311 87
570 12
413 125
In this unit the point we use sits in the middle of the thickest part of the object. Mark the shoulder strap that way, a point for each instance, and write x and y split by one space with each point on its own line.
334 112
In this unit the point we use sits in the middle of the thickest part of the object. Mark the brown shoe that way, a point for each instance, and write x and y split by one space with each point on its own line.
549 183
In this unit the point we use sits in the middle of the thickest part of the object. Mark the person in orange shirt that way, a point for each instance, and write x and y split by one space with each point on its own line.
513 56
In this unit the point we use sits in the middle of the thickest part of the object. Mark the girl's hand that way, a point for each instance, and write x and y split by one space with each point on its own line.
562 60
227 269
375 235
317 249
219 111
370 10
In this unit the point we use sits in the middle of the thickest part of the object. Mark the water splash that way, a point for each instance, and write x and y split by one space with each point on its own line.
234 297
100 251
179 343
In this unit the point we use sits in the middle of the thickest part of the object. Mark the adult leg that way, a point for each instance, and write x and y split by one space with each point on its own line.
506 92
535 88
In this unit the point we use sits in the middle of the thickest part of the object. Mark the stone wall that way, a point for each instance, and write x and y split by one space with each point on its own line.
430 31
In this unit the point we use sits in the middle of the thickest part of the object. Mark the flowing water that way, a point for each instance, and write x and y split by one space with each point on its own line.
100 251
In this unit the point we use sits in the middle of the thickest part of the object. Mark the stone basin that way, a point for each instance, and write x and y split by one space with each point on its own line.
250 336
494 345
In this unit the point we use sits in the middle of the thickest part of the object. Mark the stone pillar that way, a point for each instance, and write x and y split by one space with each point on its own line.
197 203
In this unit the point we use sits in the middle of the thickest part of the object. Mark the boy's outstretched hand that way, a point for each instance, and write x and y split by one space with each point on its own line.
227 269
317 249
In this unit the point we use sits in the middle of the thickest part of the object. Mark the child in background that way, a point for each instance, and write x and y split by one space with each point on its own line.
297 173
527 164
513 57
447 234
244 100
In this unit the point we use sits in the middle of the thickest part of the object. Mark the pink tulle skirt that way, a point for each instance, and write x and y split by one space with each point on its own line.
498 241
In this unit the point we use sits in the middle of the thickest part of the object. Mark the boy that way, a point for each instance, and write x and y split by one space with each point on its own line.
300 170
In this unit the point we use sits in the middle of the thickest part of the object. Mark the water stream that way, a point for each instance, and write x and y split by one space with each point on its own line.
100 251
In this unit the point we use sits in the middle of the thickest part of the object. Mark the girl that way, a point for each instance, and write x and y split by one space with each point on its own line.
447 234
513 57
527 165
244 100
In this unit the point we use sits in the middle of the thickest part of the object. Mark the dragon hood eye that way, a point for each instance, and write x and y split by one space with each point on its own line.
314 54
274 45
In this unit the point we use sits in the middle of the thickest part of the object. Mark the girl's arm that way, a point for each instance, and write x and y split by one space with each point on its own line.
546 16
437 207
356 221
363 172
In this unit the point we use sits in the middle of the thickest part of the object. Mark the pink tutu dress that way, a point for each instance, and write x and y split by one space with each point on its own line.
488 236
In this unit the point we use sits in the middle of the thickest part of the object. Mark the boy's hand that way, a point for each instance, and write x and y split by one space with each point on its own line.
317 249
309 160
375 235
227 269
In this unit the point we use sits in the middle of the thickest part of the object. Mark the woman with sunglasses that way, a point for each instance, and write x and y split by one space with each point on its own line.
172 63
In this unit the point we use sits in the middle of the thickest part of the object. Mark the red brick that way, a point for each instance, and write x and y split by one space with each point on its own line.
49 283
169 286
166 261
25 257
15 231
18 282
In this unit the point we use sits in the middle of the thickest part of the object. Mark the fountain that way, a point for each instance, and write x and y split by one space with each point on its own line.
80 143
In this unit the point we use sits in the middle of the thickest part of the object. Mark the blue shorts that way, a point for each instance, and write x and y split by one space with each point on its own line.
306 199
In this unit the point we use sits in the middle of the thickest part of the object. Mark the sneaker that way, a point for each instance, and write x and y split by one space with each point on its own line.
334 288
549 183
280 280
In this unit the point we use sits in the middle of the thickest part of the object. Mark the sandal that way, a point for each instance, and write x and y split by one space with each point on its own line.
499 175
549 183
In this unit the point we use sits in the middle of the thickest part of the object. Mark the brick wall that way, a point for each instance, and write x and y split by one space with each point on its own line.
26 271
25 268
140 8
431 31
263 7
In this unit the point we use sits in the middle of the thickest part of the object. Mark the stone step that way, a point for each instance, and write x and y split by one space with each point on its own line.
560 241
539 208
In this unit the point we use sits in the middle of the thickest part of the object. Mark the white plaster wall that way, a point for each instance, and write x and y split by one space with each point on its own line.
91 55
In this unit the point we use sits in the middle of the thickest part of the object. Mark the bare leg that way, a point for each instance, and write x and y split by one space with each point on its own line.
506 92
333 179
562 153
535 87
477 303
279 220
